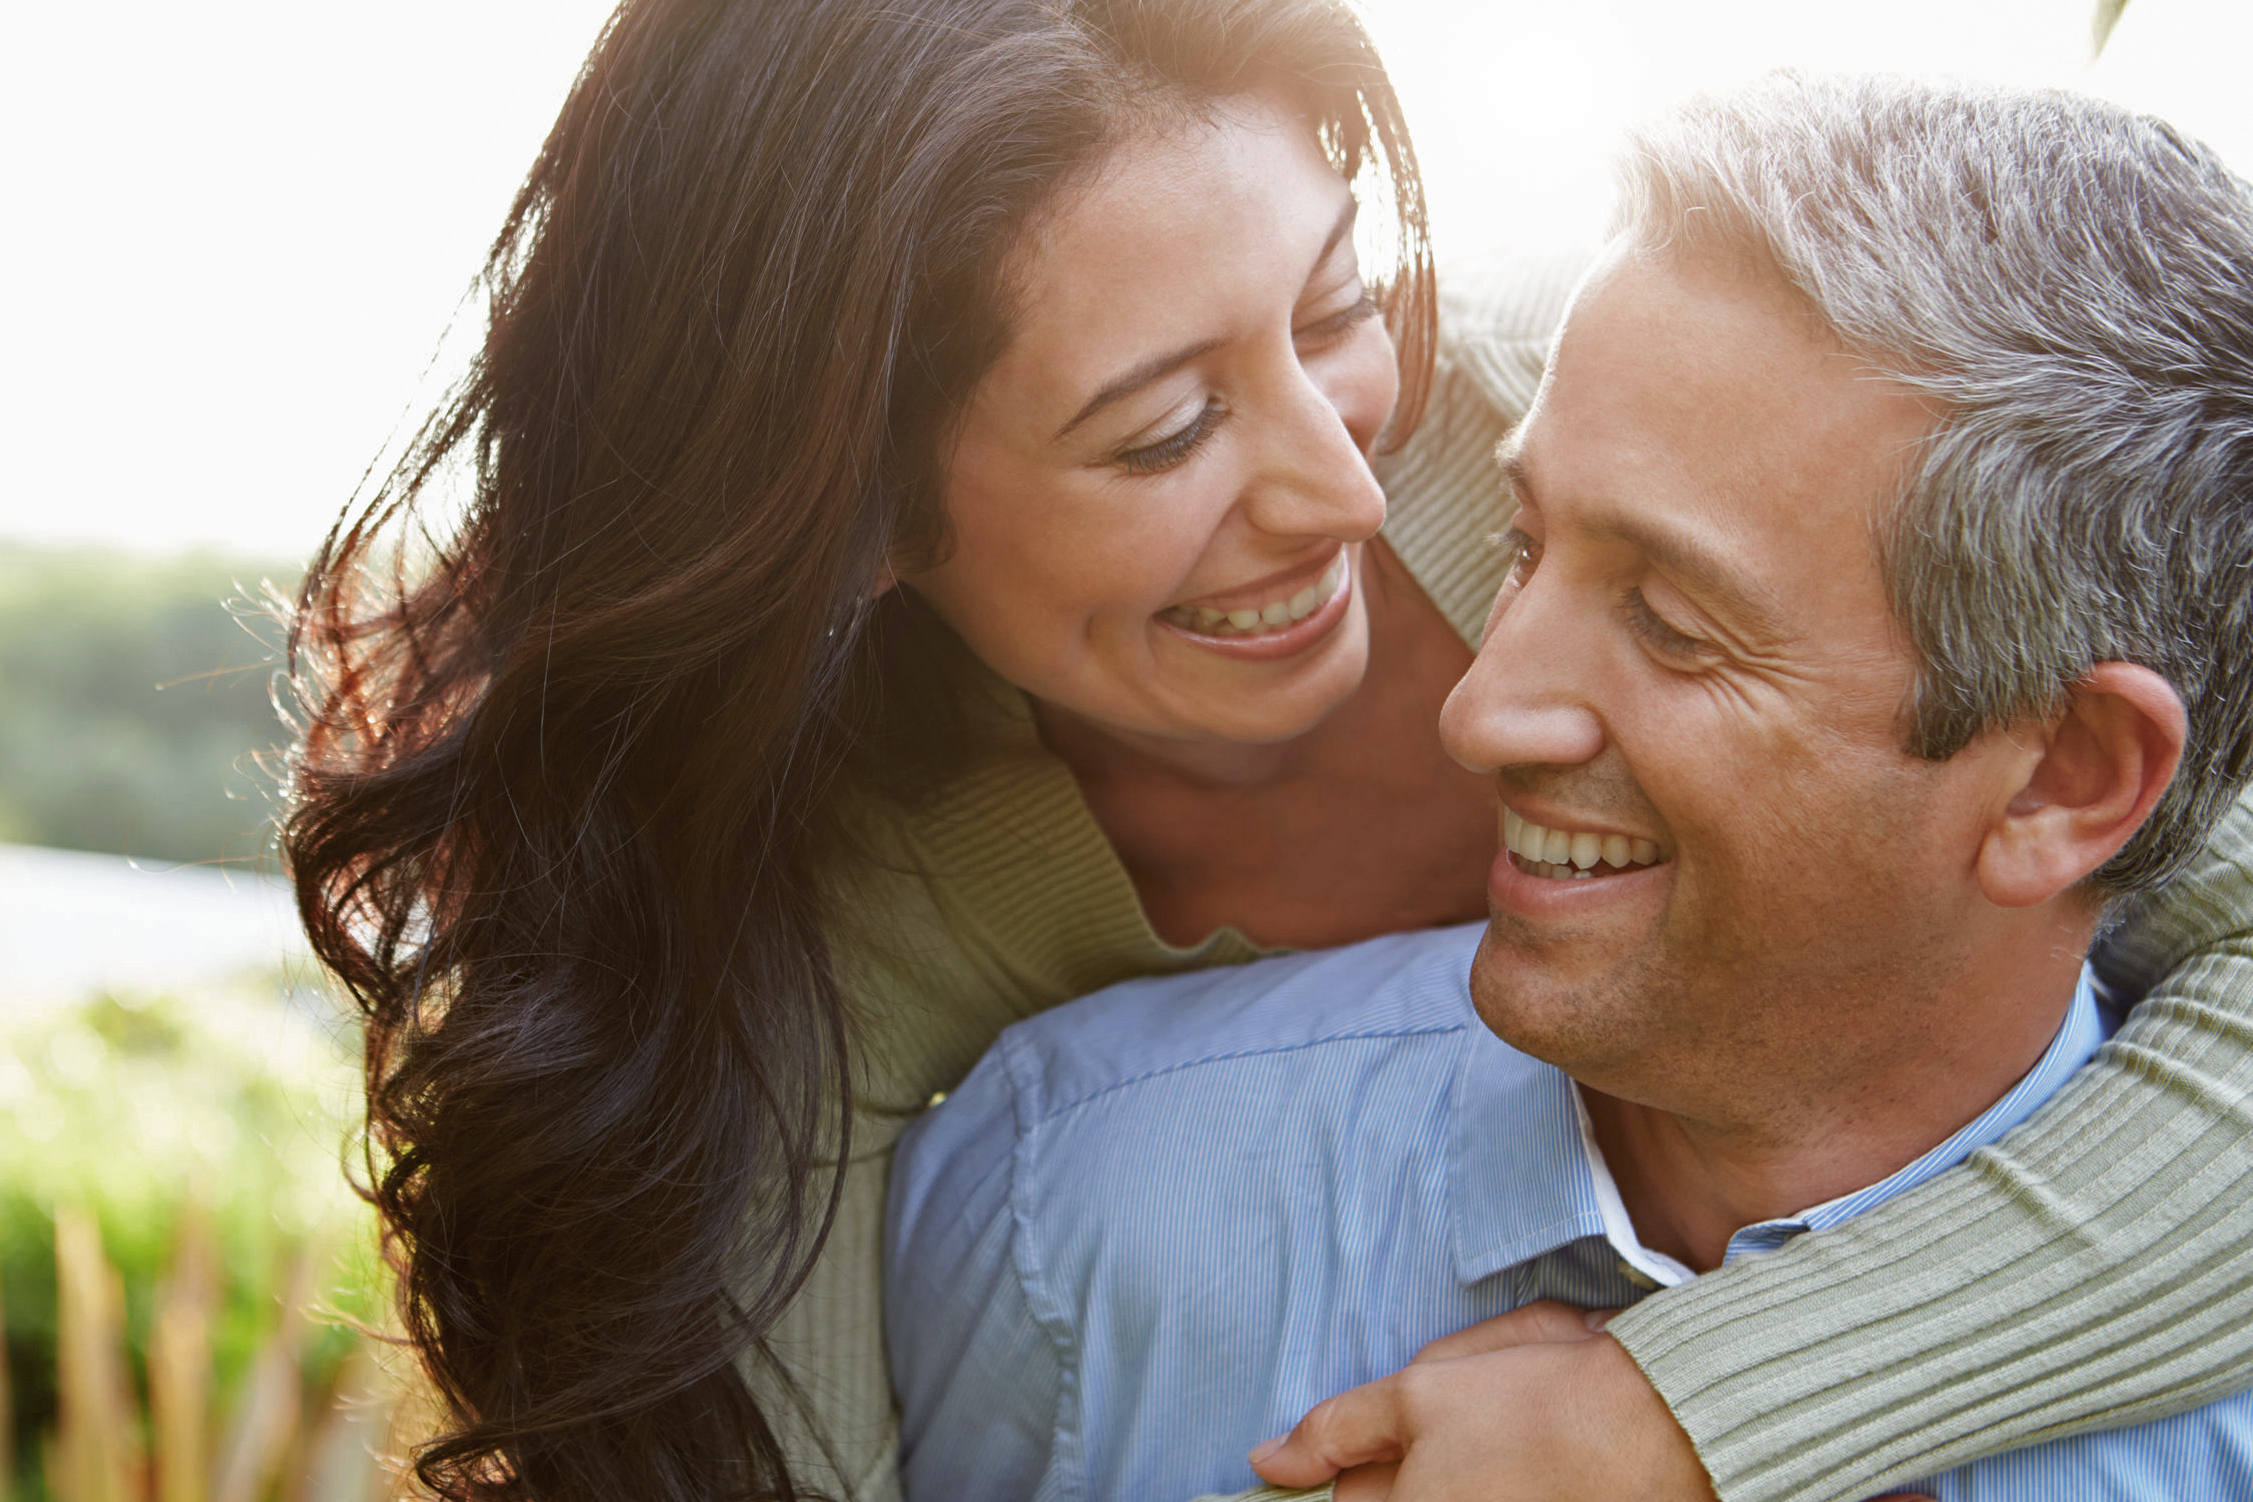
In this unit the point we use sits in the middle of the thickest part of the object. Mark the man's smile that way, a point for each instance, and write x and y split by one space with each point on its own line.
1572 854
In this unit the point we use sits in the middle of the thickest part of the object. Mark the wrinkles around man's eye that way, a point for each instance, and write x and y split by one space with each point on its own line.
1656 632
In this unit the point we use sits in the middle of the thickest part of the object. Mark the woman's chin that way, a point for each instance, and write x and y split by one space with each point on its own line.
1269 700
1168 691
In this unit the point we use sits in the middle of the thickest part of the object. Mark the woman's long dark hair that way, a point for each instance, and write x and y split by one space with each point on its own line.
559 817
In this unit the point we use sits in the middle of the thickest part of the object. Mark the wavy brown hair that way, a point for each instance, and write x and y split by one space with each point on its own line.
561 799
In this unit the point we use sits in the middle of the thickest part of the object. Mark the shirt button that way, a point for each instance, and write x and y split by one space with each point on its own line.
1632 1274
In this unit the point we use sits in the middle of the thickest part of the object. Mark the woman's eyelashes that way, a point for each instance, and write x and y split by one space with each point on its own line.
1361 310
1176 446
1151 458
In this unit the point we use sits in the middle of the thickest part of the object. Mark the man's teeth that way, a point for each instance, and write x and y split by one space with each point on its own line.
1567 855
1256 621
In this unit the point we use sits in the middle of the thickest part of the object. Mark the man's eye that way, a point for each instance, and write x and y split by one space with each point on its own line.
1521 554
1174 447
1656 633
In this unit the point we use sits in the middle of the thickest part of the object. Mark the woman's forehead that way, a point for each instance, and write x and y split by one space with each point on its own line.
1197 230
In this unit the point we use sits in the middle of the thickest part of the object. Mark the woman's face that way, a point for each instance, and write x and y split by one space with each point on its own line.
1161 489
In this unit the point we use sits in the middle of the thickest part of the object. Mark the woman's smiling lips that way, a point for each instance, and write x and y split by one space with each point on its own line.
1271 619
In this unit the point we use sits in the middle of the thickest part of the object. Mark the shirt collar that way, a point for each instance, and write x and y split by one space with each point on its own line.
1518 1177
1526 1176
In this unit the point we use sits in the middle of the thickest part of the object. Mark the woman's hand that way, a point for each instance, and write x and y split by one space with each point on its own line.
1537 1405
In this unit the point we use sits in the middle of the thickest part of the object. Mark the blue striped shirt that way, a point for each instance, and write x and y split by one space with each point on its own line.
1154 1227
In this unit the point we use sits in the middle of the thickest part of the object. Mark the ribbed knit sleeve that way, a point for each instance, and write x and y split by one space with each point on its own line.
2094 1269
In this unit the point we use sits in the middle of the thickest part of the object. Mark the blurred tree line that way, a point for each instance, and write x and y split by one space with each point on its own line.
135 695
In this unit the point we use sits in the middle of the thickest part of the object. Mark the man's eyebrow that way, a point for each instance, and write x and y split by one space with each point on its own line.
1510 454
1681 554
1158 367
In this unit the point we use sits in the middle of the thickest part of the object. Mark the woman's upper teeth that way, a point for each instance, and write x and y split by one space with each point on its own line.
1253 619
1580 848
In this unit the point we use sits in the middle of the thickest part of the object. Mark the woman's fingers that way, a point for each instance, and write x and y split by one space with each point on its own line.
1536 1323
1370 1423
1555 1417
1540 1411
1370 1483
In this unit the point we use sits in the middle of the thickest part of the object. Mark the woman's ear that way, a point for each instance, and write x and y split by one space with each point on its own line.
886 577
2108 756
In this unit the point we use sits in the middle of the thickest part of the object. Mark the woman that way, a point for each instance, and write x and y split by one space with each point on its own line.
881 611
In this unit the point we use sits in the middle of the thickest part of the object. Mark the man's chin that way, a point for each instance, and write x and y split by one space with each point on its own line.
1572 1018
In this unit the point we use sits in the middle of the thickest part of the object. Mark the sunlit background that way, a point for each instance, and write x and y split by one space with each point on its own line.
239 228
237 232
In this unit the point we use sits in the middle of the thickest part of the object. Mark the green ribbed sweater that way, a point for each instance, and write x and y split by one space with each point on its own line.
2096 1269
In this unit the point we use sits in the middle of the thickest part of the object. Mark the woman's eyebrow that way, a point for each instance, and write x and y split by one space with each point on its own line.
1158 367
1338 232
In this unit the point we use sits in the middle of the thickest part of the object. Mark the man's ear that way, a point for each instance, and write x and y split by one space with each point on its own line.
2106 759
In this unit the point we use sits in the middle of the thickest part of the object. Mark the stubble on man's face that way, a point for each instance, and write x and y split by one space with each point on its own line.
1763 965
1794 943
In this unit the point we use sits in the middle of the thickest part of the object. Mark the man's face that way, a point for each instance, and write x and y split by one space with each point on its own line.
1694 660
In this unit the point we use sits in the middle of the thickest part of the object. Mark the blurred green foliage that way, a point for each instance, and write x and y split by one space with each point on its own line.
229 1098
2101 24
132 701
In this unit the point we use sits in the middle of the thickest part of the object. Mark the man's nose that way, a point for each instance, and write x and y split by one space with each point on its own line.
1527 699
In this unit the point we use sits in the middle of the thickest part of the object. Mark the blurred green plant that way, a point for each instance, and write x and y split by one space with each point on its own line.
185 1269
132 701
2101 24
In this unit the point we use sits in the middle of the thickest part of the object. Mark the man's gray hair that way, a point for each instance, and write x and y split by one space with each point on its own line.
2073 285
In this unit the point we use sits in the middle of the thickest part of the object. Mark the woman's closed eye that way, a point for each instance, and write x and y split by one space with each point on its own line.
1151 458
1337 324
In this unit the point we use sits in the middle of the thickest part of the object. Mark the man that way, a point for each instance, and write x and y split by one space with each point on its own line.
1884 564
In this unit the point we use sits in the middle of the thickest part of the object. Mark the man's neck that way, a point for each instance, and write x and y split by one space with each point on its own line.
1689 1184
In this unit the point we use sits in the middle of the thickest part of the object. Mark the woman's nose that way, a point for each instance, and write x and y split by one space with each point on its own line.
1314 477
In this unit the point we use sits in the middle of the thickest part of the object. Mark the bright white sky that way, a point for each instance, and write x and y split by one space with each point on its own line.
241 226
